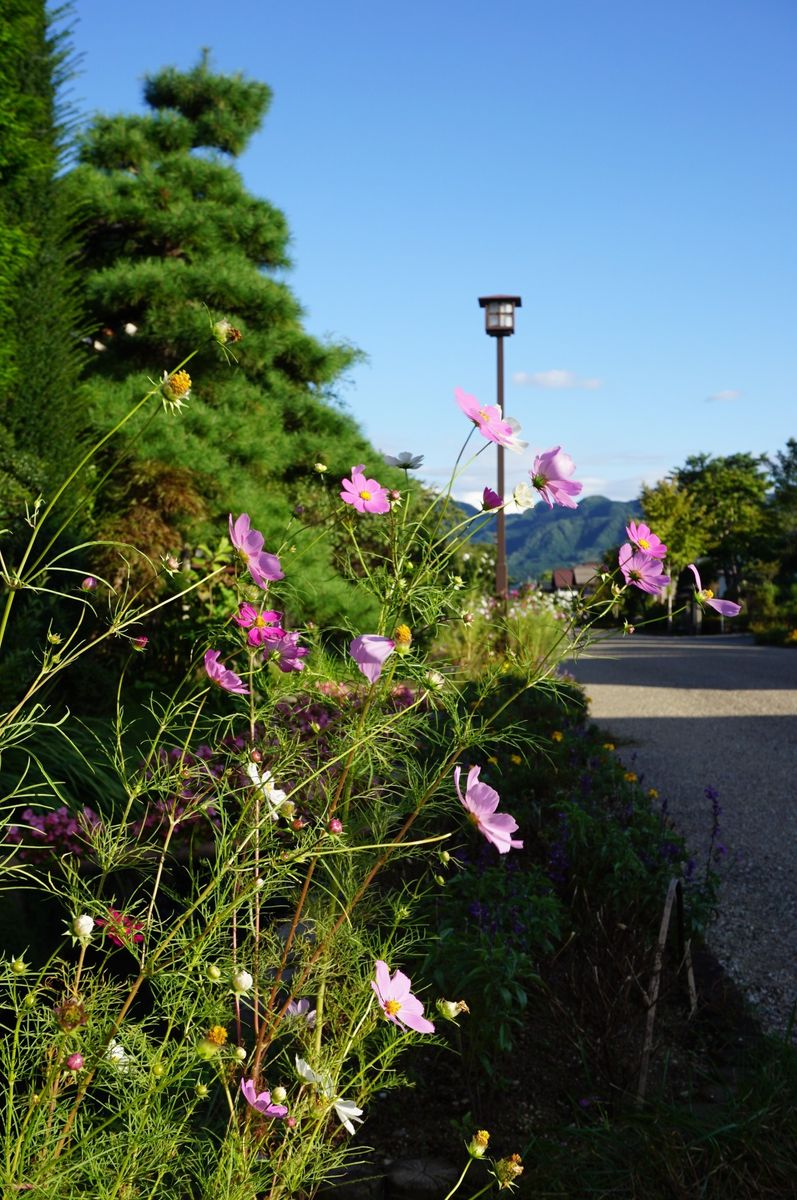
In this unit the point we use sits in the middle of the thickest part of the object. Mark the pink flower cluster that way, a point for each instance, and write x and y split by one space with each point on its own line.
56 832
640 559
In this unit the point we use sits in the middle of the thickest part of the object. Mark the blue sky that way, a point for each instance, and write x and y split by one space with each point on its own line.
629 170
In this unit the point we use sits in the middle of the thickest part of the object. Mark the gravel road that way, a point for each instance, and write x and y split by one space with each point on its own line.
687 713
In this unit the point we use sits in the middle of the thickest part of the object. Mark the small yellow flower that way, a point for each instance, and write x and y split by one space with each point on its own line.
479 1143
402 636
608 745
320 468
652 794
516 759
217 1035
493 760
175 390
630 777
557 736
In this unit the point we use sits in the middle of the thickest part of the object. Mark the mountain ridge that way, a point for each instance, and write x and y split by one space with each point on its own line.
541 538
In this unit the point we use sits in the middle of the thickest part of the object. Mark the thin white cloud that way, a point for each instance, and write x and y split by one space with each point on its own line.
556 380
729 394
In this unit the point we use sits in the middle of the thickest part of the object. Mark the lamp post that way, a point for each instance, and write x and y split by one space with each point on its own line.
499 322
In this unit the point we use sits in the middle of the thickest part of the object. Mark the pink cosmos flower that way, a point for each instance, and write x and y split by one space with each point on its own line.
263 626
397 1001
221 676
549 475
261 1100
263 567
481 801
369 651
366 495
490 421
490 500
641 536
288 651
644 571
726 608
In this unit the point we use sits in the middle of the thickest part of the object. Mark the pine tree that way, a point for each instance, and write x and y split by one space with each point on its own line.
41 415
172 244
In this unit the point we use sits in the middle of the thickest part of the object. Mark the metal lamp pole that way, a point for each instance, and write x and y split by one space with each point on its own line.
499 322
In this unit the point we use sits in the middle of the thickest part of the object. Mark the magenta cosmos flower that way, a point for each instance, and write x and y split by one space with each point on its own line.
221 676
261 1100
490 500
644 571
641 537
490 421
366 495
397 1001
263 625
549 475
263 567
726 608
120 929
289 653
369 651
481 801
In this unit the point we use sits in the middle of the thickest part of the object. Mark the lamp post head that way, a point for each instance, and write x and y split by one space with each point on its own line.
499 314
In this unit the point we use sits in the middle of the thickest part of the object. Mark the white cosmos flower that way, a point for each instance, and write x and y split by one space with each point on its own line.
272 795
347 1112
524 496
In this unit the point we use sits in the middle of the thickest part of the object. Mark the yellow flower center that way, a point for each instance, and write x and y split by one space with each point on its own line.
707 594
260 621
483 413
180 383
392 1007
365 495
217 1034
402 635
643 544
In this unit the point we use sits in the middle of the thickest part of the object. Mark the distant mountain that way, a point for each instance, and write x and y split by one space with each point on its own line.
543 538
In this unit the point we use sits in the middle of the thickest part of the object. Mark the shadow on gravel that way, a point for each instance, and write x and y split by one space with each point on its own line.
733 664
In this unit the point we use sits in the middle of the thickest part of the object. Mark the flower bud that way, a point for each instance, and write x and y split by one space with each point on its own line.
89 583
70 1015
478 1143
279 1095
320 468
335 825
213 973
19 966
201 1091
82 927
451 1009
75 1062
255 756
241 981
291 1122
240 1053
